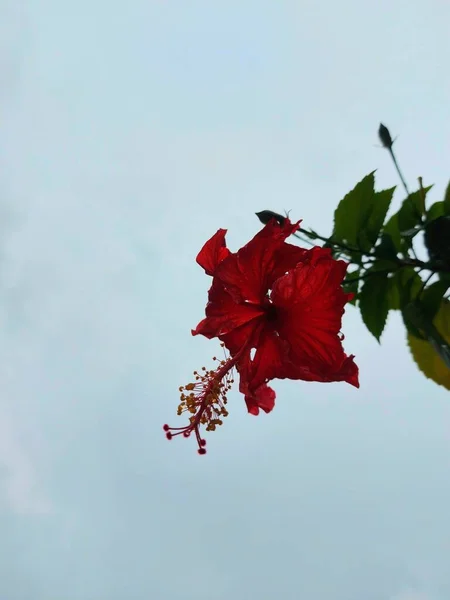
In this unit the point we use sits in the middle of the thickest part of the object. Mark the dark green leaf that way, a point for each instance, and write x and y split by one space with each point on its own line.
380 206
437 239
447 200
411 210
393 294
392 230
374 303
432 356
444 276
359 216
362 240
353 212
404 224
436 210
441 347
421 326
413 320
386 248
431 298
403 287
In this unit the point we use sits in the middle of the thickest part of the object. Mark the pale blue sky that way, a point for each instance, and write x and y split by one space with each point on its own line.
130 132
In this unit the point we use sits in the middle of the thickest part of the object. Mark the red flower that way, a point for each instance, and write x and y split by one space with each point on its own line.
277 308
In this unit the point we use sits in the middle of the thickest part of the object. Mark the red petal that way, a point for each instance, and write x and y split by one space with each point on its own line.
213 252
247 274
287 257
223 315
310 303
263 398
269 361
246 334
254 373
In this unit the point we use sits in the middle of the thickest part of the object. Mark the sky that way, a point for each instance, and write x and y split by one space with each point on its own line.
130 133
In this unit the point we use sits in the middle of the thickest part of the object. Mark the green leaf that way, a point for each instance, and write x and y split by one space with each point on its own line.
437 239
393 294
353 213
431 298
386 248
421 326
360 215
407 219
447 200
436 210
411 210
393 231
404 224
431 356
413 320
380 206
403 287
444 276
374 303
441 347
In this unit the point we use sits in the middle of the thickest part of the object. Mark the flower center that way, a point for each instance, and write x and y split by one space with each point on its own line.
270 310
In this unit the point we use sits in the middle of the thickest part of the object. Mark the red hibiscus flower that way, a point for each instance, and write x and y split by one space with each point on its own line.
277 308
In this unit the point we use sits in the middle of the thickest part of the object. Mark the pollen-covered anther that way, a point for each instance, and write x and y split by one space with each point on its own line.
204 400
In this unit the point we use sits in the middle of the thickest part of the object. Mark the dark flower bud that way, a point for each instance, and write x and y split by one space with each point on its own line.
385 136
265 216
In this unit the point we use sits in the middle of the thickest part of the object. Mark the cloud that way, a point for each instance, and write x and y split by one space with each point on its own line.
410 594
19 487
18 475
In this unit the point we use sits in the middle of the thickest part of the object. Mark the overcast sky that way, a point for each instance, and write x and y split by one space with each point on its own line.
131 132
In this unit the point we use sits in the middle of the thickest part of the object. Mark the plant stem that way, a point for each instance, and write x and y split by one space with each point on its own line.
422 287
366 275
337 244
402 262
391 152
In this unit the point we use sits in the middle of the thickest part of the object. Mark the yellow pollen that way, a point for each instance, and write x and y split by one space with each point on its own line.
205 399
